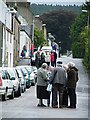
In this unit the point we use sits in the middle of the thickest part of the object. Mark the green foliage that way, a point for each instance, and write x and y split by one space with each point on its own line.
77 50
38 38
80 34
85 36
44 8
86 6
78 26
75 31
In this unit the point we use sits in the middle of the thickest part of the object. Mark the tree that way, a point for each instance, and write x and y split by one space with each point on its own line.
85 37
77 27
38 38
80 33
58 23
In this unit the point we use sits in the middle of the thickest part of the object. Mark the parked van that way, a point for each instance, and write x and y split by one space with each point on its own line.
46 48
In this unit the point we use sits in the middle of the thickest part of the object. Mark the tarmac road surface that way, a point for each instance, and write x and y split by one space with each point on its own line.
26 105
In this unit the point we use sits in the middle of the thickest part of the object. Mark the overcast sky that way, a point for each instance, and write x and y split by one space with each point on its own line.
57 1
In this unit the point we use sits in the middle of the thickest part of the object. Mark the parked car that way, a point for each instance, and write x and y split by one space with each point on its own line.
35 72
31 74
6 85
26 75
16 81
23 80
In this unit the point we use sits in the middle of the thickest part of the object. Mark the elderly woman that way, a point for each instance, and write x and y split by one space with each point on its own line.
72 79
42 78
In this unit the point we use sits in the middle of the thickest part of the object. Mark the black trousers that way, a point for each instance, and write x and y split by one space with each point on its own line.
72 96
65 97
57 89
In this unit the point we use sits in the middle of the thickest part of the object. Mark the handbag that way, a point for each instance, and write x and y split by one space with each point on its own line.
49 87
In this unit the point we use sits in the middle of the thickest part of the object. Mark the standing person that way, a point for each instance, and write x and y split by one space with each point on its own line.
55 58
47 58
42 93
58 80
52 58
23 54
65 91
37 59
42 58
50 69
72 79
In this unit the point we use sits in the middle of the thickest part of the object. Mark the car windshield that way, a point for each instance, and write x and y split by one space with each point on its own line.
24 70
4 76
19 72
11 73
29 69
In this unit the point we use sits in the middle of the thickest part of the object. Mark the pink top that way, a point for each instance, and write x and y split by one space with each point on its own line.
52 57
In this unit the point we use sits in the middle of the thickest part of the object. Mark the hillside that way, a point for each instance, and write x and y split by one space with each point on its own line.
44 8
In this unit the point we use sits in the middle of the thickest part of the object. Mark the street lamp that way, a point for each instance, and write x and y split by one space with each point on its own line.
86 11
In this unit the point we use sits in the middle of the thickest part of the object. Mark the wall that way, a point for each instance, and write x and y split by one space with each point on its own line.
1 42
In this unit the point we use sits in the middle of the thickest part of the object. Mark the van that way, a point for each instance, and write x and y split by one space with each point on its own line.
46 48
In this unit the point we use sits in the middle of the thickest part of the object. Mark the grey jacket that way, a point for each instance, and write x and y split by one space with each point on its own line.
58 76
42 77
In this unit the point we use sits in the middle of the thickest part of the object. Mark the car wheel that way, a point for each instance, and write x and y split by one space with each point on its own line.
19 91
33 84
22 90
12 95
4 97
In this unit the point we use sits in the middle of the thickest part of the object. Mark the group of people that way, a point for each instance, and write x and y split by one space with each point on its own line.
45 57
63 79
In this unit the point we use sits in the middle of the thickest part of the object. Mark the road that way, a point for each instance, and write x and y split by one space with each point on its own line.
26 105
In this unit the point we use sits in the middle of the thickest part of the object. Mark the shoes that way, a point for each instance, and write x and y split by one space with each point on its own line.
55 106
60 106
71 107
48 105
39 105
42 105
65 106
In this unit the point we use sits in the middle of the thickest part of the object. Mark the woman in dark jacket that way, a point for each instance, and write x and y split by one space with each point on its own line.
71 84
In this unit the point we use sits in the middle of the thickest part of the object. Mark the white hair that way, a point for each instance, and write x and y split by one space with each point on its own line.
71 64
44 65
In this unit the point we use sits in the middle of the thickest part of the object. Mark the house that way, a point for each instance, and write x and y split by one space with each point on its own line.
6 36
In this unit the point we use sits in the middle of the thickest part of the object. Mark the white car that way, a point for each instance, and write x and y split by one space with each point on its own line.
23 80
46 48
16 81
6 85
31 74
26 75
